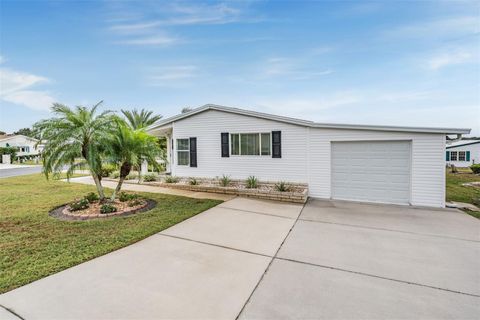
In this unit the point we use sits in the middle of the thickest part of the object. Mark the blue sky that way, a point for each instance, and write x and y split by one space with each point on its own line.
384 62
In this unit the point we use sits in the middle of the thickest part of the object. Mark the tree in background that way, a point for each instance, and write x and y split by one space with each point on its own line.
72 134
140 119
2 133
26 132
127 146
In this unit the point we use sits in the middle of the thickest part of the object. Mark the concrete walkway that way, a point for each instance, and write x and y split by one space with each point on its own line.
154 189
203 268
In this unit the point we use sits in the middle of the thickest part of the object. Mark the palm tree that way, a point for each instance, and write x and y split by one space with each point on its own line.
75 133
127 146
140 119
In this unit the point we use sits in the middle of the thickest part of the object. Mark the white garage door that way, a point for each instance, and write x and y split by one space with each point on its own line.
374 171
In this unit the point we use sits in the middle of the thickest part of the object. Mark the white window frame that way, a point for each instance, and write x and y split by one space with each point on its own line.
183 150
259 144
464 153
452 153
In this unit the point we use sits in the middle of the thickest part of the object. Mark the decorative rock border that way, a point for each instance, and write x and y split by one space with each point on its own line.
298 197
63 213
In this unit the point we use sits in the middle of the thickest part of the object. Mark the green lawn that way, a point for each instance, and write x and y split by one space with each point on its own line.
34 245
457 192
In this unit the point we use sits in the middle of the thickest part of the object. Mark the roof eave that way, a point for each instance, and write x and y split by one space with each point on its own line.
306 123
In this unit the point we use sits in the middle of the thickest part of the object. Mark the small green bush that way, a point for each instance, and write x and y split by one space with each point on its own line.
107 208
225 181
475 168
92 197
282 186
149 178
171 179
123 196
252 182
107 170
79 205
135 202
193 182
115 175
131 176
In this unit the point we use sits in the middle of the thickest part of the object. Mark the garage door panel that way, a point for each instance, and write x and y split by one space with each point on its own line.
377 171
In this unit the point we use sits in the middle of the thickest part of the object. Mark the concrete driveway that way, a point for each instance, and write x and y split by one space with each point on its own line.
348 260
253 259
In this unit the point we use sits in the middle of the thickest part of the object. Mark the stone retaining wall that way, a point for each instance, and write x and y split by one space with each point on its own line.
299 197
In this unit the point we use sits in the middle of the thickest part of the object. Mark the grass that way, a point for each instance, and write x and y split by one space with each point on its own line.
459 193
34 245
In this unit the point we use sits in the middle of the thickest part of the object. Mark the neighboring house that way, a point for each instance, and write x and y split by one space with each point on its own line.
26 146
463 153
386 164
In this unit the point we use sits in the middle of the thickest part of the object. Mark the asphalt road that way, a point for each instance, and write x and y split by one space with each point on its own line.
5 173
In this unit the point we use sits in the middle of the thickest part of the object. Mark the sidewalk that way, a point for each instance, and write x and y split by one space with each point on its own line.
154 189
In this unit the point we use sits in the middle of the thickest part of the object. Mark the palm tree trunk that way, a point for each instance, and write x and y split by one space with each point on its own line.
125 169
118 188
98 184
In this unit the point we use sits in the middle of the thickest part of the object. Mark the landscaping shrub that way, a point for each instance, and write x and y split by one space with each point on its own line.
475 168
8 150
131 176
115 175
171 179
107 208
123 196
149 178
282 186
107 170
193 182
79 205
135 202
225 181
92 197
252 182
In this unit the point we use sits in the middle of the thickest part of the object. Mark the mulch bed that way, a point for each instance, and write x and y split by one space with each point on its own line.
93 212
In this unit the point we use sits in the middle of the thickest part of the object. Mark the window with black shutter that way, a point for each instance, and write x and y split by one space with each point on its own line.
276 144
193 152
224 145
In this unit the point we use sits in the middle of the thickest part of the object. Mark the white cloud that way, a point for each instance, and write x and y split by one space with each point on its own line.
456 26
308 105
157 40
292 68
130 28
172 75
148 22
450 58
16 88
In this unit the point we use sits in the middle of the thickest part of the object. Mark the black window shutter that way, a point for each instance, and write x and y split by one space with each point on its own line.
225 146
193 152
276 144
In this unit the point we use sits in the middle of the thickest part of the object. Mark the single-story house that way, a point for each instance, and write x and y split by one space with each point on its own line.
463 153
385 164
26 146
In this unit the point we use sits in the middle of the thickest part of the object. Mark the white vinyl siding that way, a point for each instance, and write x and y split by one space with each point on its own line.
428 162
306 154
209 125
